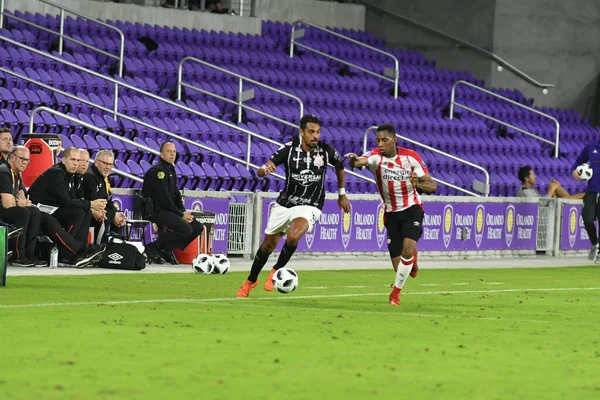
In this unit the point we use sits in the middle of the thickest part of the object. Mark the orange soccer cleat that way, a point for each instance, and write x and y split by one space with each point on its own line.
245 289
395 297
415 268
269 282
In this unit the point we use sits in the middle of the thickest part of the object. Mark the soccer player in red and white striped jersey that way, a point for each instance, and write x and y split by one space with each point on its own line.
400 174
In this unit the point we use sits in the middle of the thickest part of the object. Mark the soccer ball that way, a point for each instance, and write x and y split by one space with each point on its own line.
585 172
221 263
203 264
285 280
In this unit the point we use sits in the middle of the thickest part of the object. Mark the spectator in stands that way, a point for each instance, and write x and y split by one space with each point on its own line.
16 209
52 188
160 185
6 144
527 189
96 186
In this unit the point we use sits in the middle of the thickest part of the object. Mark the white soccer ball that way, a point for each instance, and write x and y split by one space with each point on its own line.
203 264
585 172
285 280
221 263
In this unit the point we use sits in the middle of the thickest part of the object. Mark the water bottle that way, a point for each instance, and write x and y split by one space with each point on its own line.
54 257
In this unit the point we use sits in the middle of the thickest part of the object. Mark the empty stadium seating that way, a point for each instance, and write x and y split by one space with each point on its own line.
347 101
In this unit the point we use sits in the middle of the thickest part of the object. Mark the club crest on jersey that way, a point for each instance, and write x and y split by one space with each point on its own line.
346 222
406 165
318 160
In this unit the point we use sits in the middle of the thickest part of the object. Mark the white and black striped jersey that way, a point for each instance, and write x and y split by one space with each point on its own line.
304 173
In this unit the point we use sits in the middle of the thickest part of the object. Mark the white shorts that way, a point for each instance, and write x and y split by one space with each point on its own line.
281 217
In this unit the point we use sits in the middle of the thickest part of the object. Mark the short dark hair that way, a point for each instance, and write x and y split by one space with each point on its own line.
69 150
162 145
387 127
524 172
309 119
5 130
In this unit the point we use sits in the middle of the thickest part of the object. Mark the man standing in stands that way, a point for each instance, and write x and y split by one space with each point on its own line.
16 209
399 173
53 188
6 144
160 185
96 186
299 205
591 199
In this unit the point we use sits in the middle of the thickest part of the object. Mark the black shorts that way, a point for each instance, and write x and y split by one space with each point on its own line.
402 225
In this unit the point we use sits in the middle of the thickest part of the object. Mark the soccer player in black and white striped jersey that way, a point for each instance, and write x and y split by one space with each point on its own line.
299 204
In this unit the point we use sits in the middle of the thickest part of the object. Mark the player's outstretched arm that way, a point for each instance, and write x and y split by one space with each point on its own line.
266 169
356 161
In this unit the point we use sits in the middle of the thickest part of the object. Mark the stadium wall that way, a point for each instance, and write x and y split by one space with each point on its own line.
553 42
323 13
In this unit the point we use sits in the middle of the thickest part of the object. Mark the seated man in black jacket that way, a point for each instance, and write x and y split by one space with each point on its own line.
52 188
96 186
16 209
160 184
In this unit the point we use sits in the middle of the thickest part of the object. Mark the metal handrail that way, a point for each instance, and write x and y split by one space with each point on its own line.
62 37
155 97
556 143
461 160
95 128
395 72
241 99
496 58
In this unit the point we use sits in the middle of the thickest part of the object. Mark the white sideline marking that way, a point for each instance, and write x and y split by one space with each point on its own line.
319 296
493 283
356 287
461 284
316 287
429 284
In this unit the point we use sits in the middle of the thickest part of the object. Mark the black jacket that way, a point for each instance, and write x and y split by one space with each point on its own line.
94 187
160 184
52 188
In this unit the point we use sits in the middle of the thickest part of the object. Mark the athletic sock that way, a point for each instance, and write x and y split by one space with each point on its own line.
260 259
403 270
284 257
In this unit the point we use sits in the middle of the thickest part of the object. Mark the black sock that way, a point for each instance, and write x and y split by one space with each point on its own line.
260 260
591 231
284 257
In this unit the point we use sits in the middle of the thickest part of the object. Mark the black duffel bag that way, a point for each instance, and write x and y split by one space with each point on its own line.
121 255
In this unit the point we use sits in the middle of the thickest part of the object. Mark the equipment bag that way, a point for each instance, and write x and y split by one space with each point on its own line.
121 255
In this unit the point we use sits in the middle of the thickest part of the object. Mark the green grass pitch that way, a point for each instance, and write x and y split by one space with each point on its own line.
459 334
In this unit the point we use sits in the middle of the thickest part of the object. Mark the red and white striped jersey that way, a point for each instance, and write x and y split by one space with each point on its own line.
392 177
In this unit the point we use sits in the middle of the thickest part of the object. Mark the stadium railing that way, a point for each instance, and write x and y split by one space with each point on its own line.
390 74
242 96
479 186
249 133
62 37
454 103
